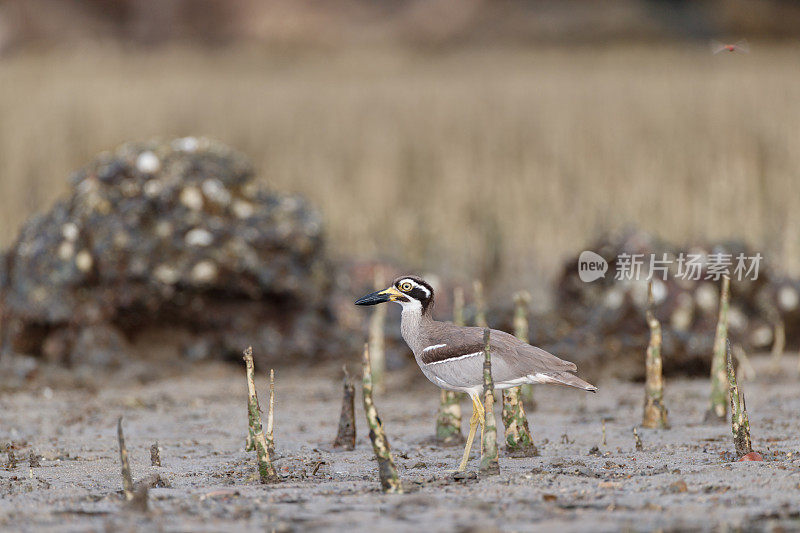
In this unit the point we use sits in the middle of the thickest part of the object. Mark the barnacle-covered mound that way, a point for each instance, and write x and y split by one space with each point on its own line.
177 238
608 315
600 325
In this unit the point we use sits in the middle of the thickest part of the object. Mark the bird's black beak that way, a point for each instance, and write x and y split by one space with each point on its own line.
379 297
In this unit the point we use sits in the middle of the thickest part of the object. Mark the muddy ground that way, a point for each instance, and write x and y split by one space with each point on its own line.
684 478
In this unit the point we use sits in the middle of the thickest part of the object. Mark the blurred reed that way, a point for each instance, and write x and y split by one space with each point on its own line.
398 146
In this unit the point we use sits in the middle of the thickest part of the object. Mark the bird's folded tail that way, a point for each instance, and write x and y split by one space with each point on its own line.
566 379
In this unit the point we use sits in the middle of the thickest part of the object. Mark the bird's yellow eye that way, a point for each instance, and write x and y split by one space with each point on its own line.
405 286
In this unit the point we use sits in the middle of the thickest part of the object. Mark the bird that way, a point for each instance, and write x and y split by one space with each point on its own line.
451 356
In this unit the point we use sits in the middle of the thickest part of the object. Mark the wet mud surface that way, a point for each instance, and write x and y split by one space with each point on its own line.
683 478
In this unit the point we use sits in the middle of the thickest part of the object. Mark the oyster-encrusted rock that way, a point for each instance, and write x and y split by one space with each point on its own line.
176 236
605 318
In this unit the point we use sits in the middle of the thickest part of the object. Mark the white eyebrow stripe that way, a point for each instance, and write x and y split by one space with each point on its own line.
455 358
429 348
427 292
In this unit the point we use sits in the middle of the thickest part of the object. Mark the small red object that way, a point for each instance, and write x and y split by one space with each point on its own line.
752 456
740 46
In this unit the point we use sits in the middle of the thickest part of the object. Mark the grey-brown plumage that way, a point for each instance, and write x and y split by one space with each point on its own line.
451 356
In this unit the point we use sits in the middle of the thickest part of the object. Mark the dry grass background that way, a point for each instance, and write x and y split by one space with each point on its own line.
435 159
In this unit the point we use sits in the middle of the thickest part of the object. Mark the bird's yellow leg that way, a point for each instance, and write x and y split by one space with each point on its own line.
477 418
473 425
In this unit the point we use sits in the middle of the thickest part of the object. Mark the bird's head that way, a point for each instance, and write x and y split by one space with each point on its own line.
409 291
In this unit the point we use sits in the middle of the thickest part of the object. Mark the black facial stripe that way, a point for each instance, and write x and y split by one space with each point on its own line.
418 294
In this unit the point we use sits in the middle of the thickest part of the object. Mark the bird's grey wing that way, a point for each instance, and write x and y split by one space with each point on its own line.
458 351
456 374
453 356
516 359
